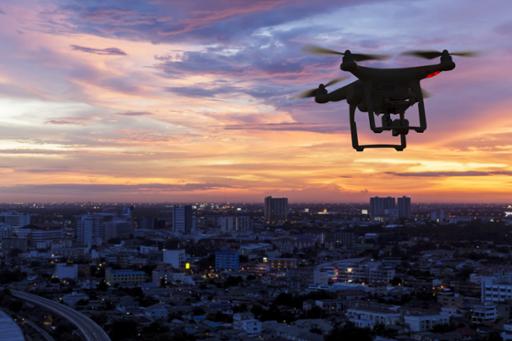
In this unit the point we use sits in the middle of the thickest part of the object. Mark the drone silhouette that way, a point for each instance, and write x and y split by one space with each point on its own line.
383 92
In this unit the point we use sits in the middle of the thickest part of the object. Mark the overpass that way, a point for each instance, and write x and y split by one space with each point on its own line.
89 329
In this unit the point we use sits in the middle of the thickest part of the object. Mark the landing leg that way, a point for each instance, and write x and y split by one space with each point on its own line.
421 111
403 140
423 119
353 129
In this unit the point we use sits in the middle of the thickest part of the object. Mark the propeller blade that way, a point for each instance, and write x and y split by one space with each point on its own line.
335 80
320 50
307 93
311 92
431 54
423 54
465 53
361 57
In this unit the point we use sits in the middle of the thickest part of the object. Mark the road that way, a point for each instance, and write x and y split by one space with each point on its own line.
89 329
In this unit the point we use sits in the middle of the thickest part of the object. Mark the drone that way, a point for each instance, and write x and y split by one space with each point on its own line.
387 93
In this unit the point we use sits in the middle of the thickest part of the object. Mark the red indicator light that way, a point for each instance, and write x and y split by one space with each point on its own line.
433 74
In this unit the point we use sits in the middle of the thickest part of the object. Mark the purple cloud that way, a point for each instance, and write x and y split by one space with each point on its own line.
110 51
165 21
294 126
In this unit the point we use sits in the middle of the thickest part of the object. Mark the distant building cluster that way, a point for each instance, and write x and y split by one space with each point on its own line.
389 208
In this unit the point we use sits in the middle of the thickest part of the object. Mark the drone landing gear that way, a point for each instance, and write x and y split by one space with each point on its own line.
355 140
398 125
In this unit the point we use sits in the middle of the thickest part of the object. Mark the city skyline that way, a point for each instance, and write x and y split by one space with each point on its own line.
175 102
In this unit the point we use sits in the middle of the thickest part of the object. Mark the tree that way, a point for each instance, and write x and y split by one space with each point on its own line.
123 330
349 332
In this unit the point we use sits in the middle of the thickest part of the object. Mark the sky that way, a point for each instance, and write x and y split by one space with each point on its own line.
196 101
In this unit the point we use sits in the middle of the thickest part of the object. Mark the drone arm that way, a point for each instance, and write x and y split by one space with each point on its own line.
335 96
338 95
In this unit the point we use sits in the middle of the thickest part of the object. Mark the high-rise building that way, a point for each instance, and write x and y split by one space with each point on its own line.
87 230
95 228
380 207
227 260
404 207
234 223
183 219
276 210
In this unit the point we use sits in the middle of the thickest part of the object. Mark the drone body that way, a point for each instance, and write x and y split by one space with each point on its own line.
383 93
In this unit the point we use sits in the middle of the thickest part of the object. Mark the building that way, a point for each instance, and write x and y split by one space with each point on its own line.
91 229
404 207
484 313
96 228
276 210
247 323
63 270
369 317
46 235
123 276
175 258
438 215
227 260
73 298
14 218
158 311
495 289
424 322
354 270
279 264
506 334
381 207
183 219
7 244
237 224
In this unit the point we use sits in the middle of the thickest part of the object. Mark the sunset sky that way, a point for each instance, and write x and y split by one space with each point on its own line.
163 100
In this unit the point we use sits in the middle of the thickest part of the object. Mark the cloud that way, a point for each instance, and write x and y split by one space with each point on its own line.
74 120
68 188
135 113
110 51
200 91
172 21
23 151
450 174
294 126
2 12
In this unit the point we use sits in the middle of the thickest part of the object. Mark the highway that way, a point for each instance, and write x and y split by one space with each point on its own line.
89 329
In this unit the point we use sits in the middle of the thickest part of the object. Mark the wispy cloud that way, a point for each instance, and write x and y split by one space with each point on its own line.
135 113
109 51
450 174
294 126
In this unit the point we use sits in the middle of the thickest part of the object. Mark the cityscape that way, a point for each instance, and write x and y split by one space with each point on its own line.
389 269
257 170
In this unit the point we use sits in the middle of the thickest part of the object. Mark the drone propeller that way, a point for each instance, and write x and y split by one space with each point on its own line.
431 54
358 57
425 93
311 92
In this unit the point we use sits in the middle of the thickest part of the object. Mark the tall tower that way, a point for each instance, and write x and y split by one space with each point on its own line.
404 207
276 210
379 206
183 220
